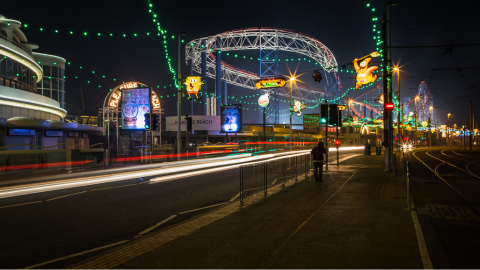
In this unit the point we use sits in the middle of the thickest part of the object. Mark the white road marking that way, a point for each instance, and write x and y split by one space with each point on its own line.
201 208
427 262
20 204
113 187
343 159
66 196
158 224
233 199
74 255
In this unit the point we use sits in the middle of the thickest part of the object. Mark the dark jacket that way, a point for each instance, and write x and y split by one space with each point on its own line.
317 154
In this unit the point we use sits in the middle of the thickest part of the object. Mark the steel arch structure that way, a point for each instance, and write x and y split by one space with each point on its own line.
424 104
260 38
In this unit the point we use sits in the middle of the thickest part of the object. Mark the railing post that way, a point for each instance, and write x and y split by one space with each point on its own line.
305 166
408 187
284 174
241 186
265 178
295 169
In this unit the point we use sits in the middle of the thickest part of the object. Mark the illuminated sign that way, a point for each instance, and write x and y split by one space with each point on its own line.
231 119
53 133
380 99
424 123
271 83
194 86
128 86
389 106
364 73
298 107
115 98
155 101
21 132
341 107
264 100
135 104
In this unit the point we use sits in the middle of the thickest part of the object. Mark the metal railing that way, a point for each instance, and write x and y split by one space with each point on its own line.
408 187
12 83
257 178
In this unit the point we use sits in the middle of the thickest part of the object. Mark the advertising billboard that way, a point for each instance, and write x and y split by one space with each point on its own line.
135 104
231 119
311 123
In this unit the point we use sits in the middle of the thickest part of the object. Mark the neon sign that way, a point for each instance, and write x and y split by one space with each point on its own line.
115 98
128 86
271 83
194 86
364 73
264 100
298 107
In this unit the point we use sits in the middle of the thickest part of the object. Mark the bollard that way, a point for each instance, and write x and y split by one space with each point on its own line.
198 152
295 169
107 157
265 187
141 155
241 186
284 174
408 187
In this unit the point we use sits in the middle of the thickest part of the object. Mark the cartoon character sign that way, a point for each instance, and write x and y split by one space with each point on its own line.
194 86
364 73
298 107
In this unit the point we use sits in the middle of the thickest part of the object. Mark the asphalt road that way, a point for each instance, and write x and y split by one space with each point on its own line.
40 227
447 196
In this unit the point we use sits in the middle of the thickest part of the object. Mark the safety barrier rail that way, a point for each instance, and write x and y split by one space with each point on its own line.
257 178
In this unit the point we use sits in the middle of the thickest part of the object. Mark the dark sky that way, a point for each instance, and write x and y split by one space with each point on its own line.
345 27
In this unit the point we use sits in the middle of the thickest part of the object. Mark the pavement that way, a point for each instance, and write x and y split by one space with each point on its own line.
356 218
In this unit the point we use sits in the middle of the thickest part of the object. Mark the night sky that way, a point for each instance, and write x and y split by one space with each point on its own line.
345 27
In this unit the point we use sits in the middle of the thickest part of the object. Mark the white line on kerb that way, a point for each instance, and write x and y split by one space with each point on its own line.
422 246
20 204
74 255
158 224
201 208
65 196
233 199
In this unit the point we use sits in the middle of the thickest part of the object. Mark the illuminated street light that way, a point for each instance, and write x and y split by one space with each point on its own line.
290 111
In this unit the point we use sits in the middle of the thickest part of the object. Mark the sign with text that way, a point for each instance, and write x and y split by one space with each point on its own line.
271 83
21 132
199 122
53 133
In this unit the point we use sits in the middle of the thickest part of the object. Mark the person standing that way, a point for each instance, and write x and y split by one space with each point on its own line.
317 155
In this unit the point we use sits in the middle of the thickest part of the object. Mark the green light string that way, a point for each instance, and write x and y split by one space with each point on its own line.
163 33
59 31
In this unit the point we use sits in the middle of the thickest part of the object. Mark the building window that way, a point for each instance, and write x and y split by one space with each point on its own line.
54 84
46 70
54 72
46 83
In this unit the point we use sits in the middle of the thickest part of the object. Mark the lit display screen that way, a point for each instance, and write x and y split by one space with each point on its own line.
135 104
231 119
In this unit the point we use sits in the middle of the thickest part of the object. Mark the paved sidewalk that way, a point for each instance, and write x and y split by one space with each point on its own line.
356 218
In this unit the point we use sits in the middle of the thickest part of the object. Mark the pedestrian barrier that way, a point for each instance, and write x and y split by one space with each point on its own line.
408 188
257 178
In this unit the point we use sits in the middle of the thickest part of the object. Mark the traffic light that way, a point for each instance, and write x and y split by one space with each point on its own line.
323 113
154 121
333 121
189 123
337 142
147 121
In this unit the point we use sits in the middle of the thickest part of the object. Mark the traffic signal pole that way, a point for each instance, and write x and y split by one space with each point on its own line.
326 134
385 93
338 142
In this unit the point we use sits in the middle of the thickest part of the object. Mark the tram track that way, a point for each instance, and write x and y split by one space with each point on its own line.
435 168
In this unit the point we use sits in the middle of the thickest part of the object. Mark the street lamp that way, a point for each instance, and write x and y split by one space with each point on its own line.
448 133
415 136
400 134
291 107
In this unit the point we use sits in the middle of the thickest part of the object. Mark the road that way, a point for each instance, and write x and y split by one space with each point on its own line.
446 188
40 227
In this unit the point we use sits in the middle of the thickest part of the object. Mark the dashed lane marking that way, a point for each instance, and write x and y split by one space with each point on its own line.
66 196
198 209
20 204
75 255
113 187
158 224
427 262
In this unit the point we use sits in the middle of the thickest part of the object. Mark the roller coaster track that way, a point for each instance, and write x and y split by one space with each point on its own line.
265 38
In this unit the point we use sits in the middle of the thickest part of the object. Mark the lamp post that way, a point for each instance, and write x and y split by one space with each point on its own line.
430 124
415 135
399 134
291 107
179 104
448 133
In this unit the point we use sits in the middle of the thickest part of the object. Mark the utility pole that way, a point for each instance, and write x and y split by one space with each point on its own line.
291 111
326 134
390 93
385 92
179 104
338 126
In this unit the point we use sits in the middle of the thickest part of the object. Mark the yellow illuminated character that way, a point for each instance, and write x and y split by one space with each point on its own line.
364 73
193 85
